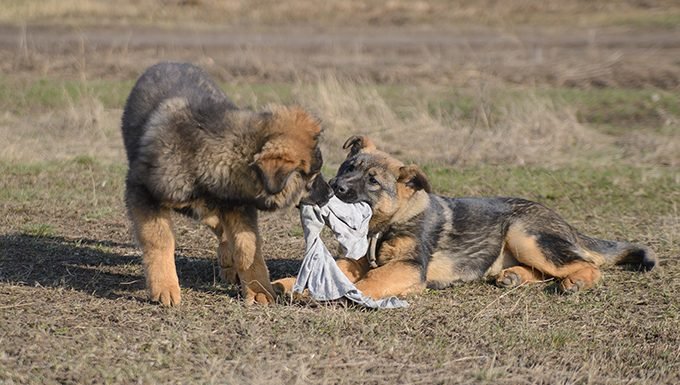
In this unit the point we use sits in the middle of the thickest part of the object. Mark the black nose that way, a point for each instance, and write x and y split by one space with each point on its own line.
339 188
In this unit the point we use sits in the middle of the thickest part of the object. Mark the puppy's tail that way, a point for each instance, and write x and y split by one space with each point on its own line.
609 253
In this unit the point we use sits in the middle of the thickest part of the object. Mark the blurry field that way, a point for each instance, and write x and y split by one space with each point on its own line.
572 104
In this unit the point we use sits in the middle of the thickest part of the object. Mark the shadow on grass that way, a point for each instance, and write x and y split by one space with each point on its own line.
106 269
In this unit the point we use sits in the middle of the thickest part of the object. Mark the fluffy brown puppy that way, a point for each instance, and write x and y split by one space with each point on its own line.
428 240
190 149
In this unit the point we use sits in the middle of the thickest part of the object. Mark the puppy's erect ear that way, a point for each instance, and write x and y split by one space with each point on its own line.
358 143
274 167
413 177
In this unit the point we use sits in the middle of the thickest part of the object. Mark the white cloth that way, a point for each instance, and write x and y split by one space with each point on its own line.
319 273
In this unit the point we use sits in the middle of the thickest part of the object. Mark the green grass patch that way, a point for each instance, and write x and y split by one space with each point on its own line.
40 230
611 110
620 110
666 19
67 182
85 160
614 110
21 96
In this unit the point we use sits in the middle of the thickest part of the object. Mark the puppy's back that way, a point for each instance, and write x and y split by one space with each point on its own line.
170 80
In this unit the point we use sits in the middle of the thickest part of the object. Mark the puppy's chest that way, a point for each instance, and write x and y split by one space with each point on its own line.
416 239
398 243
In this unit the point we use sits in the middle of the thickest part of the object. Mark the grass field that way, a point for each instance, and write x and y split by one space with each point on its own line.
572 104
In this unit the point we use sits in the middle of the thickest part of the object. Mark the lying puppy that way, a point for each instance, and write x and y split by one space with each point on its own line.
427 240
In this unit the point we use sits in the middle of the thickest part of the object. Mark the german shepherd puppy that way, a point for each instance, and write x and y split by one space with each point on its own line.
427 240
190 149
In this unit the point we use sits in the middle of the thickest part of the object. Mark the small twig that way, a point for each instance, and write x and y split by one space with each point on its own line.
17 305
505 294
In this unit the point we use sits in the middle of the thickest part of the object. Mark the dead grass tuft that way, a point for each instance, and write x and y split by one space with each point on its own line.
85 127
649 148
529 130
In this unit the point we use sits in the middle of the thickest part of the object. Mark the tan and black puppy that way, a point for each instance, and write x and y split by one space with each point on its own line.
428 240
190 149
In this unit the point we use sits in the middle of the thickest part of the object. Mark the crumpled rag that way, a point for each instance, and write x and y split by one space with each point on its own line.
319 273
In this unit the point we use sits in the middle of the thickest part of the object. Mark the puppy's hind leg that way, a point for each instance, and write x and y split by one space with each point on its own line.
577 273
581 279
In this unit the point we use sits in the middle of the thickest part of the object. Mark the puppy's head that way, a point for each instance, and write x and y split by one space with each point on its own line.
372 176
289 164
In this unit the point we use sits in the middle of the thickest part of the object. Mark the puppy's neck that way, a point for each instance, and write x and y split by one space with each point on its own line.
411 207
406 210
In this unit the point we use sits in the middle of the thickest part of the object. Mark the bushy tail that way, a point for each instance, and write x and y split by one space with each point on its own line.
610 253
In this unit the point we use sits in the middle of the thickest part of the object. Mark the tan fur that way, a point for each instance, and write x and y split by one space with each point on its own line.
284 286
581 279
517 275
524 248
596 258
354 269
392 279
155 235
440 269
408 204
411 203
397 248
505 259
382 213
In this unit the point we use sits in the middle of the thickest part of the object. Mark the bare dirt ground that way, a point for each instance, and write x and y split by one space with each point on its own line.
72 302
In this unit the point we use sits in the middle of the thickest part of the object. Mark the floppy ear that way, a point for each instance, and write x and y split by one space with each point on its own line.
274 168
293 137
414 178
358 143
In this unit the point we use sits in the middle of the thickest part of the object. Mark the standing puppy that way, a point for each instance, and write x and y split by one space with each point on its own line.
190 149
428 240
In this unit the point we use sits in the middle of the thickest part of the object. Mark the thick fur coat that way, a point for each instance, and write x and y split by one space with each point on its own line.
190 149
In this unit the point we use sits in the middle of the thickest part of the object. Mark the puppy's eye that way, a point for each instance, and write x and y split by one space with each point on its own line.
372 180
349 168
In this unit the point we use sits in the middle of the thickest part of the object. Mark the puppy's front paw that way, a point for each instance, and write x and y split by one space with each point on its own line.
284 286
508 279
166 292
257 295
569 286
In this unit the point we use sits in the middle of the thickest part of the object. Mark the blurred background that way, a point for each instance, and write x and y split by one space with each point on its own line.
454 82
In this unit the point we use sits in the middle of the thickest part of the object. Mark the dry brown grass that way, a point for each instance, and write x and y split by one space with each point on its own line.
74 309
84 128
527 130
